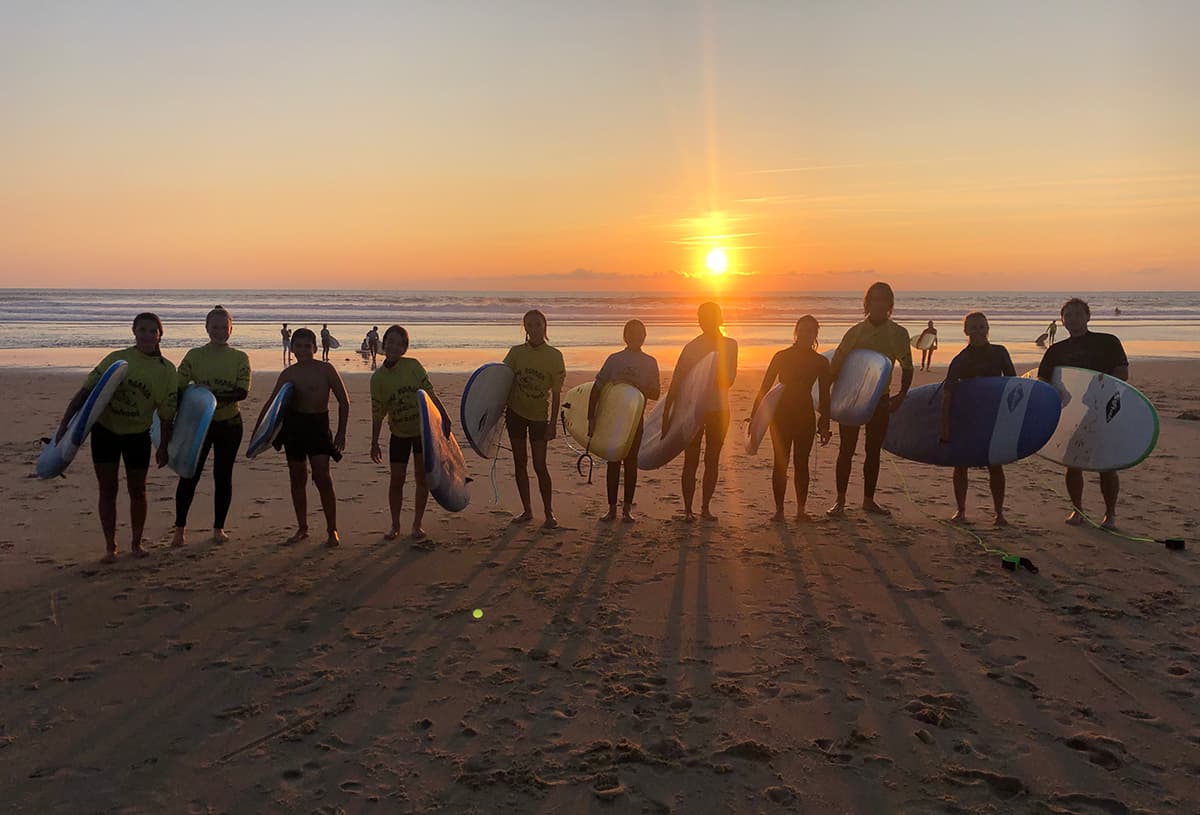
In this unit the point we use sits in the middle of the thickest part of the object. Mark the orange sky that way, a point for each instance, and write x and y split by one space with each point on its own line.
602 146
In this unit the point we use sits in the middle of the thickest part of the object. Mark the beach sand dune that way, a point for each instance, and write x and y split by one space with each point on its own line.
852 665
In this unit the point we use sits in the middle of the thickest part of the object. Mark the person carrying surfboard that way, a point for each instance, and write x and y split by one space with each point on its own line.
794 426
226 372
632 366
373 344
716 414
123 429
927 342
979 358
394 395
305 436
1096 352
325 342
286 334
877 333
534 399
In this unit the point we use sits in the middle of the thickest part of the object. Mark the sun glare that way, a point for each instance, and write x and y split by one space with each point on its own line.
717 261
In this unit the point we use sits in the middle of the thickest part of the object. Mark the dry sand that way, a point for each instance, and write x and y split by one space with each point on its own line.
855 665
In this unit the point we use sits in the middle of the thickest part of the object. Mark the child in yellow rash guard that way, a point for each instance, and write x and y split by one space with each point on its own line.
123 429
876 333
226 372
394 388
532 410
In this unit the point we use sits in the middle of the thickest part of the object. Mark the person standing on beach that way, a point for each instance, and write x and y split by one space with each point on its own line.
394 395
305 436
373 344
123 430
1096 352
876 333
226 372
325 338
286 333
794 426
979 358
532 408
1051 331
635 367
927 353
716 420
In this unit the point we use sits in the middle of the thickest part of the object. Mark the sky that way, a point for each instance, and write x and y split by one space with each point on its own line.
600 145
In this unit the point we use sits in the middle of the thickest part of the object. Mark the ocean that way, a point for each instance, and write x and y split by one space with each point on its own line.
456 331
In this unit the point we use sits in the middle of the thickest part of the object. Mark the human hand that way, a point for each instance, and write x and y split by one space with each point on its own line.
551 431
161 457
339 442
376 453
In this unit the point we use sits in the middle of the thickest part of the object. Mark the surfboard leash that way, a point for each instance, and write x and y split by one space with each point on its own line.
1172 542
1008 561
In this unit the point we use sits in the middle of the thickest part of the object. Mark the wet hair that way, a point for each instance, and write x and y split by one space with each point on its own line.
974 314
632 326
531 313
884 288
809 320
304 334
218 311
399 329
1076 301
710 312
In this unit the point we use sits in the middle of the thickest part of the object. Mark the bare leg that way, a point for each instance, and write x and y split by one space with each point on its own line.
521 470
107 477
545 487
803 446
298 478
395 498
1075 493
324 485
1110 488
418 533
960 495
997 483
687 481
781 449
847 441
714 440
135 481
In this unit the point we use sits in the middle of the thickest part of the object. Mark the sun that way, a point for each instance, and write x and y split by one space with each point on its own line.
717 261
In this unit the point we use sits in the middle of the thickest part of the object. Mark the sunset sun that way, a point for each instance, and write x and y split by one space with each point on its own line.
717 262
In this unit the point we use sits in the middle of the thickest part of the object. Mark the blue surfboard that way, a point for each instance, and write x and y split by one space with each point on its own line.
56 457
994 420
196 408
272 423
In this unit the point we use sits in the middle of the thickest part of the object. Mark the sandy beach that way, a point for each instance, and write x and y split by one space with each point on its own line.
858 665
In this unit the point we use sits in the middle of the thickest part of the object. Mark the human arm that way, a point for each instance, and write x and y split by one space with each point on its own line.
552 424
72 408
767 382
343 399
593 401
824 385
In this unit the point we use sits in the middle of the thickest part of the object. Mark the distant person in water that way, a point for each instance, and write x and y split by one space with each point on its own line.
226 372
123 430
635 367
394 395
325 342
979 358
794 426
286 333
712 339
532 411
305 436
876 333
927 353
1096 352
373 344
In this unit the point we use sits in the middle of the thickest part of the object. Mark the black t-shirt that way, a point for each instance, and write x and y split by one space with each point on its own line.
1096 352
982 360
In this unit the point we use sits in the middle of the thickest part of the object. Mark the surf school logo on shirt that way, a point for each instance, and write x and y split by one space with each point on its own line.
1113 407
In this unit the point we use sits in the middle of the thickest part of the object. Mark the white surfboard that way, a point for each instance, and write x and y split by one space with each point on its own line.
695 397
618 414
483 401
192 421
862 382
272 422
333 342
761 420
56 457
1106 423
445 467
923 342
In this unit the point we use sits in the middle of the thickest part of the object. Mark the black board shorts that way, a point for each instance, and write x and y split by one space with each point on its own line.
401 447
109 448
306 434
519 427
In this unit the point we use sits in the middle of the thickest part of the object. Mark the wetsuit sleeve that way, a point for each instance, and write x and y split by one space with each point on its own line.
844 348
604 375
1049 363
824 383
903 349
1006 363
954 372
1116 355
654 386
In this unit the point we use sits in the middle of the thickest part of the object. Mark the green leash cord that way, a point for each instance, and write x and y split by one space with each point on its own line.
1173 543
1008 560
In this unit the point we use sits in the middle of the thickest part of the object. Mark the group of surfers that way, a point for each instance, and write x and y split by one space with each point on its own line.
153 383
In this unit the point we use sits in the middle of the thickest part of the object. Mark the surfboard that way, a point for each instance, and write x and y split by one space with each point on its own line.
333 342
618 414
192 421
445 467
55 458
864 378
482 407
687 417
1106 423
272 422
761 420
923 342
993 420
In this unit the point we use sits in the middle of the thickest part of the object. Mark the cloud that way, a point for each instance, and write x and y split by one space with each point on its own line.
588 275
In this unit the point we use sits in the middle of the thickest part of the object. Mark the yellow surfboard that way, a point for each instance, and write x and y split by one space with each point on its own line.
618 414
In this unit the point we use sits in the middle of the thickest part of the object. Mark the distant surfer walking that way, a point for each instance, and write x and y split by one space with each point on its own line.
632 366
928 343
716 414
1096 352
373 344
532 405
876 333
325 342
979 358
794 426
286 334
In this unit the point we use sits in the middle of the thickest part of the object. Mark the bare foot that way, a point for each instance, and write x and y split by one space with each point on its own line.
875 509
551 522
1000 520
333 540
778 517
179 538
391 534
689 516
611 515
524 518
109 557
1109 522
628 517
836 510
418 534
220 535
300 535
959 517
707 516
803 517
1075 518
138 551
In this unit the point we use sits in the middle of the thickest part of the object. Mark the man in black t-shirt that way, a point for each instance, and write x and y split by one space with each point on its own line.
1096 352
